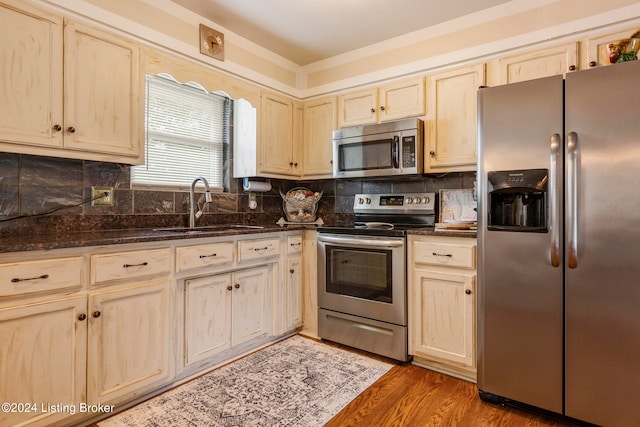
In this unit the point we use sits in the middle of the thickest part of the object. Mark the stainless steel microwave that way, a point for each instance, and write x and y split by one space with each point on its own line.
385 149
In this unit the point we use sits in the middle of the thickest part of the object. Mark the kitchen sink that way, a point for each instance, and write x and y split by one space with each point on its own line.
207 228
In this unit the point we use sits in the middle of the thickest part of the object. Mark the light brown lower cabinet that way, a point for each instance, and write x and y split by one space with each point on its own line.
42 360
442 304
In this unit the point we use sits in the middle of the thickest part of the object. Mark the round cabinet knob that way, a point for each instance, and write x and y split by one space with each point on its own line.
57 128
432 153
292 271
71 129
82 316
96 314
382 108
593 64
467 291
572 67
229 288
237 285
373 110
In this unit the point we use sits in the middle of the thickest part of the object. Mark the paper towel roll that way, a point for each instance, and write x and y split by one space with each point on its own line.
256 186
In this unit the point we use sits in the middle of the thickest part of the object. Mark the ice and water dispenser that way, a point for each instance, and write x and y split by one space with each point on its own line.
518 200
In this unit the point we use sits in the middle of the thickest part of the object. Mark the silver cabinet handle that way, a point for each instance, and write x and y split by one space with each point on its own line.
554 193
572 199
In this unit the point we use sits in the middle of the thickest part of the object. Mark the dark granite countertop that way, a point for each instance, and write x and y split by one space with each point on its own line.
444 233
20 243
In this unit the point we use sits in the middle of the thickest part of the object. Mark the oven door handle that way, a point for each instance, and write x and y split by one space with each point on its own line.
360 242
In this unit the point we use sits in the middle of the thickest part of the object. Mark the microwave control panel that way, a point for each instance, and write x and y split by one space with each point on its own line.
409 152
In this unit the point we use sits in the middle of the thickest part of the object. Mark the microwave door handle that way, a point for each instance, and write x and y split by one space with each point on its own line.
396 152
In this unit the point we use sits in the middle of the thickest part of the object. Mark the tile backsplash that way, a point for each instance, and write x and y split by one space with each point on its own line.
31 185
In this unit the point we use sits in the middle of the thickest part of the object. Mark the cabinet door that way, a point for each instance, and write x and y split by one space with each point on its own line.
207 316
31 71
402 99
249 304
320 120
103 93
443 316
293 308
43 358
128 346
276 136
451 132
358 108
597 47
541 63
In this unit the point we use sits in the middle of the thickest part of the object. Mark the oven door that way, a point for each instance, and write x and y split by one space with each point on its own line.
363 276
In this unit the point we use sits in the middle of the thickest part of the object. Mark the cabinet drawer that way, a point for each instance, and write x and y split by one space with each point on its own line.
126 265
445 254
294 244
256 249
40 276
188 257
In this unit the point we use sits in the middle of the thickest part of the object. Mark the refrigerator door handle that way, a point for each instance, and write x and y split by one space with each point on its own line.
554 193
572 199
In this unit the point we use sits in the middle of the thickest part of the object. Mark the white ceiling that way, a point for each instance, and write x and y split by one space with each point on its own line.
306 31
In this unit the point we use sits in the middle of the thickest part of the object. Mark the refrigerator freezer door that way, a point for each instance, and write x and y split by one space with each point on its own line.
603 290
520 323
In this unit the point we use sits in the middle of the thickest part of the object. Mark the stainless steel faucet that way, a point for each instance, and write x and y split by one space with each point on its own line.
192 205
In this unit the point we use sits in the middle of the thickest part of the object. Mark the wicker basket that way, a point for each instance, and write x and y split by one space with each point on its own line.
300 204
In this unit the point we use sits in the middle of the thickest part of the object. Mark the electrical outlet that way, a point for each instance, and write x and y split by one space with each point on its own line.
105 192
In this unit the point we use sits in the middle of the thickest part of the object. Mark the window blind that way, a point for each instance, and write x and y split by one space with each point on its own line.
186 129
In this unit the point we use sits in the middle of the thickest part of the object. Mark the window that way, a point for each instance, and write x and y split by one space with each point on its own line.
186 132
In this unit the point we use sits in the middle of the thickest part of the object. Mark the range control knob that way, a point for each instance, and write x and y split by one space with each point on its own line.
360 200
426 200
409 200
368 201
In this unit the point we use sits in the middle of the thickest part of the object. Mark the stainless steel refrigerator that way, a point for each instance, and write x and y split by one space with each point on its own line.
559 244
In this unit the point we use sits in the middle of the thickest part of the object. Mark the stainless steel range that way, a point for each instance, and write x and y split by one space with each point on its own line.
362 273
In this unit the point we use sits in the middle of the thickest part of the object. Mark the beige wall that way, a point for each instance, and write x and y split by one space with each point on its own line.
516 25
502 34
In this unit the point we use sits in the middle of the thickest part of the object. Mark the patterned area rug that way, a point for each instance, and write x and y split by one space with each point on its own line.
296 382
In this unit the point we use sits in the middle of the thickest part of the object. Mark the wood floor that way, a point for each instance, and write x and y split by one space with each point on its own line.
410 396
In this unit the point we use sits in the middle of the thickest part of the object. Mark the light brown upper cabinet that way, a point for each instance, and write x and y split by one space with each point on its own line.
320 120
597 53
450 130
70 90
540 63
392 101
279 153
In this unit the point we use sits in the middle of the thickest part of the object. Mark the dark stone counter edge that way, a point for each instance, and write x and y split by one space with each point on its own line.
114 237
448 233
